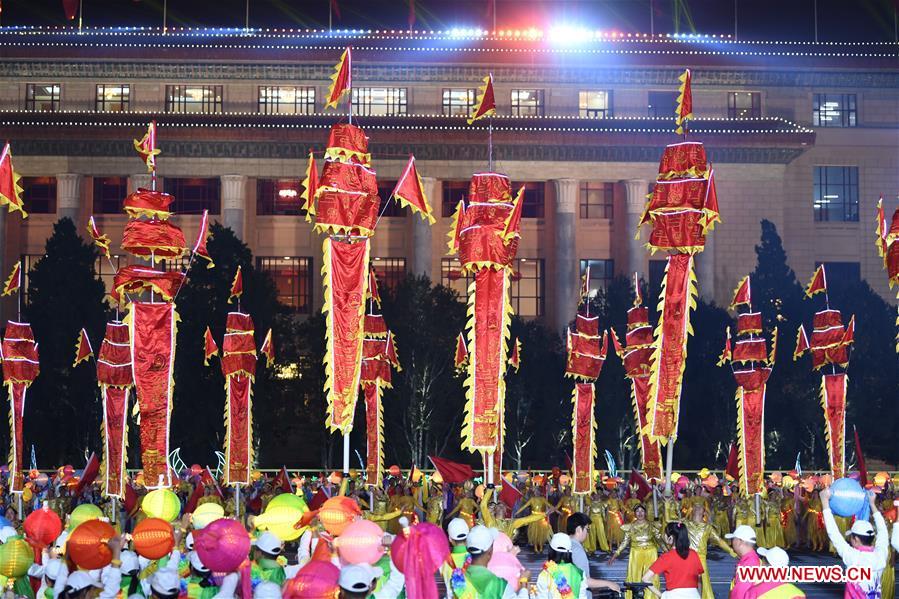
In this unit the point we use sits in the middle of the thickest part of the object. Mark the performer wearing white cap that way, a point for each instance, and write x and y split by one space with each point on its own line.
742 539
265 566
865 548
776 558
474 579
457 532
559 576
357 581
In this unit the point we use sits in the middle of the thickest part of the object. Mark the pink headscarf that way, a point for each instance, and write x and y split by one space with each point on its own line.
418 552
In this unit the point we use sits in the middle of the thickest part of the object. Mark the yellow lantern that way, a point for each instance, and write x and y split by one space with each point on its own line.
83 513
437 478
162 504
206 514
280 520
881 478
290 500
16 556
704 473
675 476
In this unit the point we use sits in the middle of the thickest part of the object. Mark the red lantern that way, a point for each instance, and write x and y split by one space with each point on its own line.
153 538
196 470
87 545
42 526
394 471
337 513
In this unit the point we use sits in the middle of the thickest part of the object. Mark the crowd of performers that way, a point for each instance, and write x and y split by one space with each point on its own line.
476 535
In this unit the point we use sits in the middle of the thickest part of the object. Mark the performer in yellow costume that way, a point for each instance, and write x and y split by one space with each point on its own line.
814 524
539 531
788 517
493 515
644 539
467 509
774 531
745 514
596 536
406 504
701 532
378 512
434 508
567 505
721 509
614 520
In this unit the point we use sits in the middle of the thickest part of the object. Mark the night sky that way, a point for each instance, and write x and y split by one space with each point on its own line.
838 20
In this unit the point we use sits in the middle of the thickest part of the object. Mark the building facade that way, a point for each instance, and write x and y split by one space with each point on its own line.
805 135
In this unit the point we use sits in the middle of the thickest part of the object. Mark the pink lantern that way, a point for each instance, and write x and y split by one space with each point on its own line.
360 542
315 580
223 545
507 567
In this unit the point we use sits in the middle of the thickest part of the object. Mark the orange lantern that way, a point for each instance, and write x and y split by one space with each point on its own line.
153 538
479 491
881 478
336 478
394 471
42 526
777 477
337 513
87 545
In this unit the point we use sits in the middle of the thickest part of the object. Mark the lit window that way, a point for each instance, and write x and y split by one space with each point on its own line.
458 102
453 191
596 199
42 97
293 280
113 98
286 99
278 196
594 104
836 193
601 273
389 271
39 195
194 194
379 101
106 269
835 110
389 207
744 105
451 276
527 102
527 287
109 193
534 196
662 104
193 98
29 261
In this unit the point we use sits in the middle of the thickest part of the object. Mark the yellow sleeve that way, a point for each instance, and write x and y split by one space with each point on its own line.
384 517
486 516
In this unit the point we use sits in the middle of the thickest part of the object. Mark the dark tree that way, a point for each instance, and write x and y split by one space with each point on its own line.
62 411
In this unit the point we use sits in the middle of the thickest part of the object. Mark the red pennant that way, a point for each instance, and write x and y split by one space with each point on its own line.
194 498
318 500
310 185
209 347
202 237
83 349
461 352
733 468
742 294
341 80
89 474
410 192
684 111
145 146
486 104
818 283
14 281
452 472
236 285
860 461
282 480
638 486
509 494
268 349
10 190
373 293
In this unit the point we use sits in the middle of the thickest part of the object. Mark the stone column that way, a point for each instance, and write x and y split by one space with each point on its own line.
705 269
142 181
422 253
566 280
636 202
68 196
234 203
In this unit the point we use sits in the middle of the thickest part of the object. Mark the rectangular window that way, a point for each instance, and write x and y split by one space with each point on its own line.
594 104
39 195
392 208
193 98
534 196
193 195
836 193
29 261
451 276
744 105
113 97
379 101
662 104
459 101
293 280
527 102
835 110
389 271
109 193
286 99
528 287
106 272
42 97
601 273
278 196
453 191
596 199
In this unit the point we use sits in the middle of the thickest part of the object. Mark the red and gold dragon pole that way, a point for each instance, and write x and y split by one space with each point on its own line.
829 345
751 364
114 375
637 357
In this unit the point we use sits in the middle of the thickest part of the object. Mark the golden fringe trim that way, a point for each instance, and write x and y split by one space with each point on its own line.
828 434
452 244
694 172
593 451
637 427
177 252
346 155
333 229
16 202
379 463
227 477
680 249
331 101
741 446
137 211
307 197
479 101
691 294
508 235
681 92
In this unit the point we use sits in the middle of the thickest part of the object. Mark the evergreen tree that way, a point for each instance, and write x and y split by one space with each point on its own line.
63 410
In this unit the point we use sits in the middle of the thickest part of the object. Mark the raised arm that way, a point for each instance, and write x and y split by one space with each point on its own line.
833 532
713 536
524 506
486 516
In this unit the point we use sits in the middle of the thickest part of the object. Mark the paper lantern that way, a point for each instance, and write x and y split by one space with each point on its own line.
83 513
788 482
881 478
153 538
206 514
437 478
223 545
335 478
289 500
777 477
394 471
162 504
360 543
42 526
281 520
479 491
711 481
87 547
196 470
507 567
315 580
337 513
847 497
16 556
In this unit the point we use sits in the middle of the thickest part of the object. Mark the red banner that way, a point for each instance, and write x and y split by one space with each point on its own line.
485 386
750 439
374 435
17 415
115 434
345 284
238 430
21 365
583 434
670 355
153 353
833 400
498 452
650 450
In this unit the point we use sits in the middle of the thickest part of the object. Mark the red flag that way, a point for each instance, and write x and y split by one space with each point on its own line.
310 185
202 237
236 286
585 283
849 335
10 190
461 352
452 472
102 241
638 486
14 281
818 283
515 358
209 347
70 7
727 353
268 349
373 292
194 498
131 503
801 343
509 494
410 192
860 461
208 479
486 104
733 468
742 294
513 221
89 474
282 480
318 500
341 80
146 147
83 349
684 110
